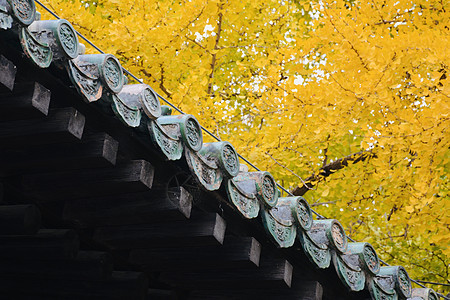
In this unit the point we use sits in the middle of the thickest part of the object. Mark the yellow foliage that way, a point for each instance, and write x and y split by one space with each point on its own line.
303 84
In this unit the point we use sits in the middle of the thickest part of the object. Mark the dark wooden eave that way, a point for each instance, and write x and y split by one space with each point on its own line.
91 209
100 236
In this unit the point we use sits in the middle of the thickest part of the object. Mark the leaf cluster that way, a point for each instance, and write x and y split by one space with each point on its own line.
298 85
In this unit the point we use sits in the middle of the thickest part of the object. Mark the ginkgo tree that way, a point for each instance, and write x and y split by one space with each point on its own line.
345 102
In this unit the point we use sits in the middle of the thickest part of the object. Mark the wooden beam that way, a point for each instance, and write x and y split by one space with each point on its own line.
271 274
309 290
86 265
158 294
95 150
2 192
121 285
29 100
46 244
19 219
7 73
207 229
64 124
132 208
235 252
132 176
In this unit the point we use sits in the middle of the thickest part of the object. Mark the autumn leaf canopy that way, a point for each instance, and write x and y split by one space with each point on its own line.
344 102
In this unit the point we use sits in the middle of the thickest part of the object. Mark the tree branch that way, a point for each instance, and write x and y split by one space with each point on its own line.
364 64
216 47
161 84
330 168
160 81
325 151
284 167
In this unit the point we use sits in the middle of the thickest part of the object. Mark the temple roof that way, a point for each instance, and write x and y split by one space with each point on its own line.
134 204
